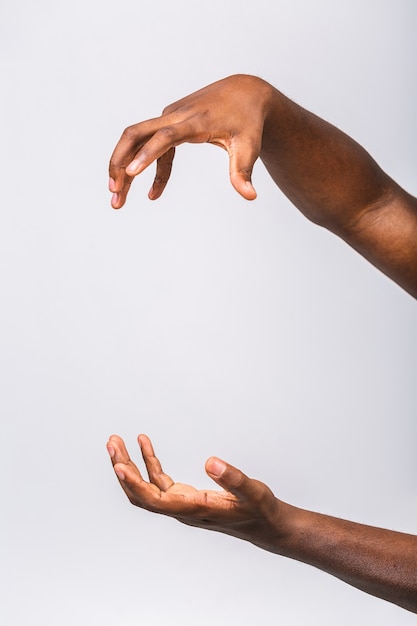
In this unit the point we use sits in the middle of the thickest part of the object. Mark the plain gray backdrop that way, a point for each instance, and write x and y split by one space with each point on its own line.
214 325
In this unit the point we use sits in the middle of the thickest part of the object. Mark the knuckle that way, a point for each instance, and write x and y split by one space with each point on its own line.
129 133
238 480
167 132
168 109
264 496
114 166
246 171
174 107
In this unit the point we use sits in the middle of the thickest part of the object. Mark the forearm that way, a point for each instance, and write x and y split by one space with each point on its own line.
325 173
338 185
380 562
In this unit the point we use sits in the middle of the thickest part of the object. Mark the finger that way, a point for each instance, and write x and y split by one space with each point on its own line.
169 136
233 480
125 151
121 188
140 493
242 159
119 454
133 137
150 497
119 198
117 450
119 181
156 474
163 172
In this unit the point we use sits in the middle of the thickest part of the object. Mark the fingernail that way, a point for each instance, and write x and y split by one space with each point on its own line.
216 467
134 166
120 475
112 184
110 450
114 198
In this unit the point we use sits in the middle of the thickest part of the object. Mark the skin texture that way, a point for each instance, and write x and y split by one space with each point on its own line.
327 175
335 183
380 562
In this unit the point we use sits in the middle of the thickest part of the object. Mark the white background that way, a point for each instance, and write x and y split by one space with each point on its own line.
215 325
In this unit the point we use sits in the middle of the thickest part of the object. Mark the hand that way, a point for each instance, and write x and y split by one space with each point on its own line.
246 509
229 113
380 562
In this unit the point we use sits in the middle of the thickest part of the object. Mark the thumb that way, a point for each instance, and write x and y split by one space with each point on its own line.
231 478
242 159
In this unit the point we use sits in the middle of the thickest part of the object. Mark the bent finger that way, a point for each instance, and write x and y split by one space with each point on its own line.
132 138
120 456
128 146
156 474
243 155
163 172
164 139
119 197
150 497
117 450
139 492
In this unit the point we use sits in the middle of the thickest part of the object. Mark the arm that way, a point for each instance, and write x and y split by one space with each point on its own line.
380 562
326 174
338 185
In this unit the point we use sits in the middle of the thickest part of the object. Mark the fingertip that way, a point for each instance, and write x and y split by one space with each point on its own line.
144 442
145 445
115 201
215 467
243 186
152 194
116 443
245 189
250 191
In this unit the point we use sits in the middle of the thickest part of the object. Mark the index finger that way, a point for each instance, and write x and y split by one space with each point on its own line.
127 149
144 143
119 454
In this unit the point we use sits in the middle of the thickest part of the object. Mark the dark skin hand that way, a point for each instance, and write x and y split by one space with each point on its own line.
327 175
380 562
242 511
337 184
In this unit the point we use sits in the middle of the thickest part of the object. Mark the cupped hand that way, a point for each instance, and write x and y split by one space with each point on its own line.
245 508
229 113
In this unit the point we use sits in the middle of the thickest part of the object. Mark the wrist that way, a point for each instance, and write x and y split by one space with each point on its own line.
282 524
